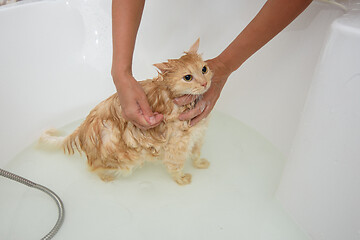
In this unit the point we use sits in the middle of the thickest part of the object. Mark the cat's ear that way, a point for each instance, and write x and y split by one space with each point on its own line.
195 47
163 67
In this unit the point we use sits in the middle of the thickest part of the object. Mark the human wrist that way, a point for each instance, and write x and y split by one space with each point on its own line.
221 66
121 74
228 63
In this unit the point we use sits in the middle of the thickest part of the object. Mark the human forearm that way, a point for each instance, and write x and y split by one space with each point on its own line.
126 16
271 19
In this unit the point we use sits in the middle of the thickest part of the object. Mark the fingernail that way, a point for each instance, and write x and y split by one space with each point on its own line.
152 120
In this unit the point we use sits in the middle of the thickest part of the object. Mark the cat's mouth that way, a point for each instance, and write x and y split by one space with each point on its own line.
204 88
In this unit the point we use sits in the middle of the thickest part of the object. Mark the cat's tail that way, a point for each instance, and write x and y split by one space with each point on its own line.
52 139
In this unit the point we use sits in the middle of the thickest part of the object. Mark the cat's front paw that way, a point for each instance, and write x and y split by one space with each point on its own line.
201 163
184 179
107 178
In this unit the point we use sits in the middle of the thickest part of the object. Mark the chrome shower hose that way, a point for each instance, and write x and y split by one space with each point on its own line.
58 201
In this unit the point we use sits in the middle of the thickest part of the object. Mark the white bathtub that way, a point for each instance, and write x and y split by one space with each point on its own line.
55 59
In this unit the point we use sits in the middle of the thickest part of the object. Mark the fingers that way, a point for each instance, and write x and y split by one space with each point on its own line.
136 115
186 99
135 106
201 111
203 107
138 119
153 119
197 110
158 118
201 116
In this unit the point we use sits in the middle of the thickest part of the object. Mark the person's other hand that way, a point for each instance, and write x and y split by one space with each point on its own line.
208 100
134 104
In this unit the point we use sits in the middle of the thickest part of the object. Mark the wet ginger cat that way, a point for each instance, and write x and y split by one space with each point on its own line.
114 146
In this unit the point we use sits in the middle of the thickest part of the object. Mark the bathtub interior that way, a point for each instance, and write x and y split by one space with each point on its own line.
234 198
55 66
44 62
322 173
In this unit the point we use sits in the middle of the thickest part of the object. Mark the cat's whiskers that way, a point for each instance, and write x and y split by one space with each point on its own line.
197 91
188 97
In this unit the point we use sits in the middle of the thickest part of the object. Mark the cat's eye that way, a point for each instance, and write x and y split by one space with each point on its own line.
204 70
188 78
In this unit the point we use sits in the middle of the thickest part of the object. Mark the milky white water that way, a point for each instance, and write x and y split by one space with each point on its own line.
233 199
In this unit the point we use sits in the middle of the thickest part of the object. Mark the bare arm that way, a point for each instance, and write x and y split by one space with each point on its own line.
274 16
126 17
272 19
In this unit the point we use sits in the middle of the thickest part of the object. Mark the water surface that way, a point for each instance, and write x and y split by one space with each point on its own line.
233 199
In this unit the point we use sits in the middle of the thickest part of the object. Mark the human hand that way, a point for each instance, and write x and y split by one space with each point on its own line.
207 101
134 104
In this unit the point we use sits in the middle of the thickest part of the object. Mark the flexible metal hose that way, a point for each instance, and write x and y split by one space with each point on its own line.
58 201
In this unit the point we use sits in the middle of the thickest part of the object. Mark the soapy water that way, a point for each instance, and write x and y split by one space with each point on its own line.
232 199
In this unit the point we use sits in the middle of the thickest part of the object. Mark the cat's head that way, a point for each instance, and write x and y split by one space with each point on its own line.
187 75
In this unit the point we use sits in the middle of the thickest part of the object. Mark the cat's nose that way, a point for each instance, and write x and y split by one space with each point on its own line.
204 84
